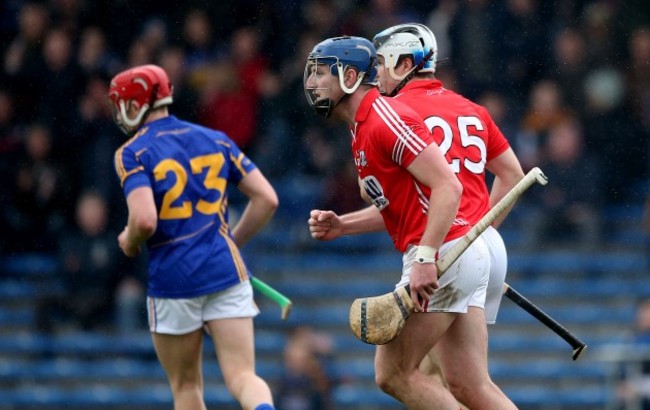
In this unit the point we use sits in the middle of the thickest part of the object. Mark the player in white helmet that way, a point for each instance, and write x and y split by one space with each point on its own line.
403 174
472 143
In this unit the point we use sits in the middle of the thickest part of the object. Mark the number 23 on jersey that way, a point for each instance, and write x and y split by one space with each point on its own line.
169 208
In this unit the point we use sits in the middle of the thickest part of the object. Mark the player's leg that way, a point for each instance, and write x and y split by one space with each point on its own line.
493 296
396 364
180 356
422 331
229 317
431 366
463 354
175 326
463 349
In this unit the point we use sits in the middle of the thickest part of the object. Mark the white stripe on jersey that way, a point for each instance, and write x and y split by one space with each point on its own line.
405 135
398 151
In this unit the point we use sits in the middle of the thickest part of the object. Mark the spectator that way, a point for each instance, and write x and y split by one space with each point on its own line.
524 38
94 137
9 135
304 383
34 212
233 104
379 14
439 20
197 40
634 389
569 205
23 60
500 110
570 65
475 32
615 135
598 19
638 75
89 263
320 17
63 84
545 110
94 56
173 61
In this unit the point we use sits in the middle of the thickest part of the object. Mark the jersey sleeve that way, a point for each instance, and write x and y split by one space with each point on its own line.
241 165
497 143
130 170
405 135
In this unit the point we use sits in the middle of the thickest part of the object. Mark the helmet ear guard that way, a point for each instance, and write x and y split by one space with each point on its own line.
346 89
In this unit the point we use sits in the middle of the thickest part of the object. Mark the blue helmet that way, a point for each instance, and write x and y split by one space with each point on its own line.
338 54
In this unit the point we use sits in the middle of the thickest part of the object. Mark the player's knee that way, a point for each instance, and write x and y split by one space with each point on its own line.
465 389
388 381
459 389
185 385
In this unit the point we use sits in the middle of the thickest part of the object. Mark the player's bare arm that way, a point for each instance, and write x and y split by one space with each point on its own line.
327 225
507 172
142 222
431 169
263 201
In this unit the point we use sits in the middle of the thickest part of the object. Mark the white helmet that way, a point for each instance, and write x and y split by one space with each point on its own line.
410 39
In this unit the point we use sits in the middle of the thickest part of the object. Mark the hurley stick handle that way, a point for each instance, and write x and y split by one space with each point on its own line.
533 176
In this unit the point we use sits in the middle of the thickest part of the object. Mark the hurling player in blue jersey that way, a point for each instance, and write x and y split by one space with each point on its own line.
174 174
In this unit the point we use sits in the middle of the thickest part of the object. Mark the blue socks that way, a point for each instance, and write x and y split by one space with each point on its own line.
265 406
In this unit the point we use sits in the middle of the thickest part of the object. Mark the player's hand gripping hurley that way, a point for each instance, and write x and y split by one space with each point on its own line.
379 319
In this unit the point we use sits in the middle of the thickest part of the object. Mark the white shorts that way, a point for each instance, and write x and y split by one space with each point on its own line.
182 316
465 280
498 270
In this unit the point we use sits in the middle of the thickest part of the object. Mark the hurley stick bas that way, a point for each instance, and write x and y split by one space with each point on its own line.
266 290
379 319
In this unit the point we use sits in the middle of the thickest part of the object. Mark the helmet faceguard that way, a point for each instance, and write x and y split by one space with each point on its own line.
412 40
331 58
148 85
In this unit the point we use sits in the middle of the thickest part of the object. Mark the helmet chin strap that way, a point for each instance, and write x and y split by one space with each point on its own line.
396 76
325 107
407 77
144 110
133 123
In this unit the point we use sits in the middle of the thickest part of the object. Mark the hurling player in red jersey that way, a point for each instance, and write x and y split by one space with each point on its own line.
175 176
403 173
472 143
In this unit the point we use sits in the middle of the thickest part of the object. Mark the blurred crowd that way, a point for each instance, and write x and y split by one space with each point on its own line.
568 82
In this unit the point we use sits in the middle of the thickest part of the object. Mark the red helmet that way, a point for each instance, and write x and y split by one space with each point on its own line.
148 85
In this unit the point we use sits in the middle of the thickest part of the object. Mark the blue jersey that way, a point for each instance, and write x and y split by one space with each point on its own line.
188 167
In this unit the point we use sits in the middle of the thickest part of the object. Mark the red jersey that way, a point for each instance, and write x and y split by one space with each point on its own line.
466 134
386 138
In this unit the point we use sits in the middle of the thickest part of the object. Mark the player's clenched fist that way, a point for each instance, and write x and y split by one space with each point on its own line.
127 246
324 225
